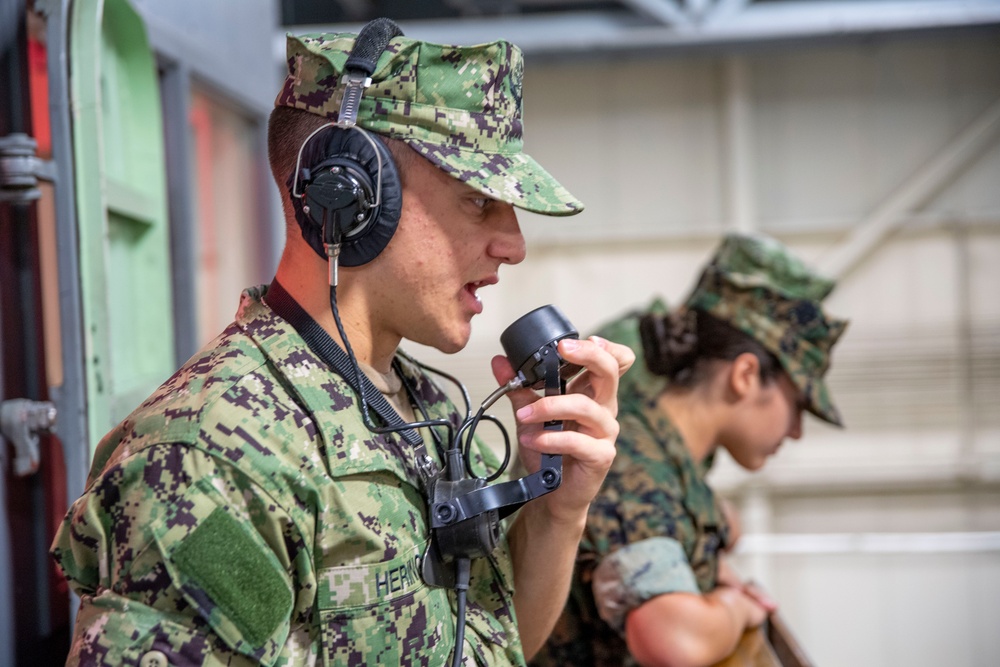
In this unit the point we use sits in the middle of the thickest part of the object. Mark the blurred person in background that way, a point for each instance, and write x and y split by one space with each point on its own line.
735 367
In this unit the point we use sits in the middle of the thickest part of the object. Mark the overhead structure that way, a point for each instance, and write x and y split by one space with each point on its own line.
574 27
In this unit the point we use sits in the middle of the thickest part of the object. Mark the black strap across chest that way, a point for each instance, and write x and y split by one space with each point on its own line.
323 346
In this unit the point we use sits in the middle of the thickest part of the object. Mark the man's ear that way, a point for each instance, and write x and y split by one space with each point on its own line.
744 375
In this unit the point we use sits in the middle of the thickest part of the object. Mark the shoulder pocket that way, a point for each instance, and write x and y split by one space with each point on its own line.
229 575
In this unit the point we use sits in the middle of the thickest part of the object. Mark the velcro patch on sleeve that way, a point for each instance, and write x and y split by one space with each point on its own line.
237 576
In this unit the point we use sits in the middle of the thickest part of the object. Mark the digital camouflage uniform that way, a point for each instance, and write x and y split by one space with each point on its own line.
244 514
656 527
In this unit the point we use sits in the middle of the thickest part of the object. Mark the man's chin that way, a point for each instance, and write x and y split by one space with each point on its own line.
451 348
450 344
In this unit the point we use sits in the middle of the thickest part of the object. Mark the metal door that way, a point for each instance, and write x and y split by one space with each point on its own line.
122 210
86 325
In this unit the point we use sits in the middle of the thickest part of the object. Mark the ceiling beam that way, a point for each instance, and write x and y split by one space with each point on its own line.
663 12
730 22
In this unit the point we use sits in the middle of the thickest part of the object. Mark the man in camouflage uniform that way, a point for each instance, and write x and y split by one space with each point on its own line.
244 513
656 533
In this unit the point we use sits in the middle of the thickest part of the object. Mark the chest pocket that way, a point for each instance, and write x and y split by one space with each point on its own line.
383 614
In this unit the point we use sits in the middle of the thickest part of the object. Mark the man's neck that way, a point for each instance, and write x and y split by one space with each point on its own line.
312 292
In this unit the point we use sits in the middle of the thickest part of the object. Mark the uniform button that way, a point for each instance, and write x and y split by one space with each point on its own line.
154 659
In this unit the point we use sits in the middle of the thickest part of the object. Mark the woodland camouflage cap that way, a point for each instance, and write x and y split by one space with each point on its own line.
458 106
757 286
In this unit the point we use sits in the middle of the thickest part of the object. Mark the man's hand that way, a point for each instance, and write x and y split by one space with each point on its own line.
546 533
588 411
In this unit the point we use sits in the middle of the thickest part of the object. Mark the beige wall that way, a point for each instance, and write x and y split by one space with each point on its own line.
882 541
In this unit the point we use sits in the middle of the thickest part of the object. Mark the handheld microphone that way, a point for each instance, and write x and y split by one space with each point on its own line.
465 512
532 339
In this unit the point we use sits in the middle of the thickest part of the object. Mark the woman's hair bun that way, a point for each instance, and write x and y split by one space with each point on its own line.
669 342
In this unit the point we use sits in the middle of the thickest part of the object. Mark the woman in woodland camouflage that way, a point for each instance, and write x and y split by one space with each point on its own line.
733 368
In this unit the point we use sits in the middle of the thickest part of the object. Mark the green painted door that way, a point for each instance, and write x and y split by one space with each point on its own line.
122 210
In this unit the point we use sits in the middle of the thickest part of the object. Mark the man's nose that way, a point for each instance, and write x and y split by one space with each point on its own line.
507 244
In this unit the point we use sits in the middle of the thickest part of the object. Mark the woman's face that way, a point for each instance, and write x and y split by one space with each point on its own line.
766 414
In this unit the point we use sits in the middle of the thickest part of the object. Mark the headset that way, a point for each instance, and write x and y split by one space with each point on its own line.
347 202
348 198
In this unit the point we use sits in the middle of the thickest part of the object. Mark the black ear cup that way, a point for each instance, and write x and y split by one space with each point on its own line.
339 182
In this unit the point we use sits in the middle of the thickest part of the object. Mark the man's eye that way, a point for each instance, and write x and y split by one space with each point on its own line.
480 202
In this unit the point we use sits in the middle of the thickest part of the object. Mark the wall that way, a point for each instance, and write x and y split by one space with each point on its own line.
882 541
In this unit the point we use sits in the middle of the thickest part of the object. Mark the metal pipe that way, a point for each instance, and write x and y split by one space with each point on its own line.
739 143
175 84
595 33
869 543
916 190
70 397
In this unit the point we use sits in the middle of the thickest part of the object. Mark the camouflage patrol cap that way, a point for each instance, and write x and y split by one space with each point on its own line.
458 106
757 286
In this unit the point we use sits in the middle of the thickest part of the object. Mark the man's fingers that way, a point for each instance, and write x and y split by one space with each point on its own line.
622 353
590 452
603 362
587 415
